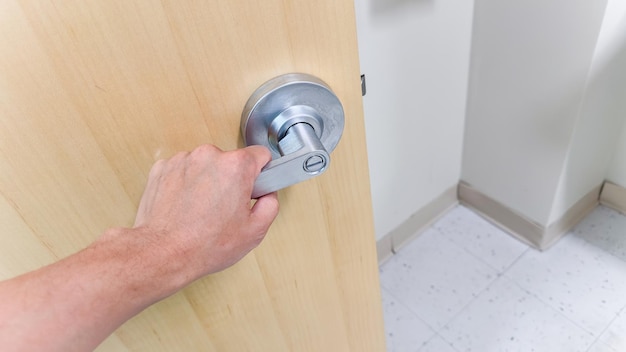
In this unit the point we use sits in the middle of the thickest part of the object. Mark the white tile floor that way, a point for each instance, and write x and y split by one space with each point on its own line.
464 285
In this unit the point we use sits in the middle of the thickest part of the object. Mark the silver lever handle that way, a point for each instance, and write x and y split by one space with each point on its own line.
300 120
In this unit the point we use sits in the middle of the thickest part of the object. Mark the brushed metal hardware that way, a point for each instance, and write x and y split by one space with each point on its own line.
300 120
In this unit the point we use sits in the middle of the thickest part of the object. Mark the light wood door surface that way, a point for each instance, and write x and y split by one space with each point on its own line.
92 92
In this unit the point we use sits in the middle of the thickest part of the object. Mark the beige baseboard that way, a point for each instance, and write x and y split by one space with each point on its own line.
389 244
613 196
521 227
384 249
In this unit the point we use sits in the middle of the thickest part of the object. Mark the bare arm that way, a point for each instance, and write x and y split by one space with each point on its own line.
194 219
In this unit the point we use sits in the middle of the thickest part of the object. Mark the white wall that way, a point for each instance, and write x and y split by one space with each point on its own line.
617 171
415 55
616 58
529 68
601 117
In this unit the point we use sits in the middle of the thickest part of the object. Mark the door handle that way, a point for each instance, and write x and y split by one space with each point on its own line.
300 120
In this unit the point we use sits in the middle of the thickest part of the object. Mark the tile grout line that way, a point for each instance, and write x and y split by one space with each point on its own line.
499 271
444 340
476 295
549 306
499 275
473 299
466 306
505 271
405 306
617 315
533 294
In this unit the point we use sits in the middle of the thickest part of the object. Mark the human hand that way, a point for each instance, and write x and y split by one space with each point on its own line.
198 206
195 218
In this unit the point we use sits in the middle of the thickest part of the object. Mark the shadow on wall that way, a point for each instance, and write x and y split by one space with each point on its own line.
602 115
531 91
386 7
610 53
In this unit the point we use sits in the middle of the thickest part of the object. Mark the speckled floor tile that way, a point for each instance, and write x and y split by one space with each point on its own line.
435 278
615 335
602 347
606 229
437 344
405 332
479 237
583 282
481 290
507 318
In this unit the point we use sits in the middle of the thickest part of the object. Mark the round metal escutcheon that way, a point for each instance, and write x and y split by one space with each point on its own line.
289 99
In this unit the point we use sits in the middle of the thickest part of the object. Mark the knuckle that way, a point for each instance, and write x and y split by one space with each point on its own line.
157 167
208 148
273 205
158 164
175 162
263 150
205 150
243 160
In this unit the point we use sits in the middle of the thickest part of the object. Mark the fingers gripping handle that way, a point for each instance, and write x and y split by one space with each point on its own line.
300 120
309 160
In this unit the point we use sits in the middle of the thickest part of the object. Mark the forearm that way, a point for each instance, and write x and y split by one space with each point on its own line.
74 304
195 218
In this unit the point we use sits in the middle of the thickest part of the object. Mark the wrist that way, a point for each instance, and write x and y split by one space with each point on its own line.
147 266
77 302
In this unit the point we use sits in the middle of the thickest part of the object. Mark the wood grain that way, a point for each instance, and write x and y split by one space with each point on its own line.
93 92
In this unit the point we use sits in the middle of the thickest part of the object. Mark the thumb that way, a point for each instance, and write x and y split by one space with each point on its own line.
264 211
261 155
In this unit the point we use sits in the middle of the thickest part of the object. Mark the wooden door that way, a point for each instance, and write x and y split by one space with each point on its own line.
92 92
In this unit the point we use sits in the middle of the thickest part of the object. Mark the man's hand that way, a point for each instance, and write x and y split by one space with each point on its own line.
195 218
198 205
